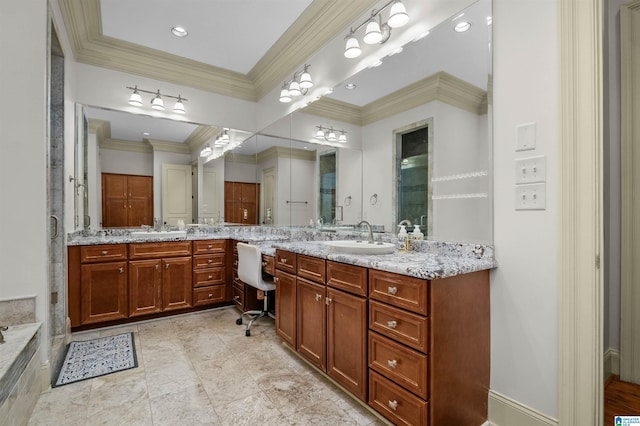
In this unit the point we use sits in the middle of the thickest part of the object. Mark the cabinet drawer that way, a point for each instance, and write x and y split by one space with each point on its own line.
350 278
311 268
286 261
208 295
209 261
103 253
396 404
399 290
400 325
209 246
238 296
205 277
160 249
404 366
268 264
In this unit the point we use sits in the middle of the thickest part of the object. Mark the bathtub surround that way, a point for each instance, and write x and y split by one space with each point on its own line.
16 311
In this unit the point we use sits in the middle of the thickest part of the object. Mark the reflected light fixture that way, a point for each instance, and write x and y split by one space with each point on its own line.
157 102
462 26
299 85
329 134
179 31
206 151
376 31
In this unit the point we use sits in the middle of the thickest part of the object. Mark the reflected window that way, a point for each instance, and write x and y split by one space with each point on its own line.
327 202
413 177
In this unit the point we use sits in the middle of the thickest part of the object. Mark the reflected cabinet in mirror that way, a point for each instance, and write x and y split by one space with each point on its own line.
412 142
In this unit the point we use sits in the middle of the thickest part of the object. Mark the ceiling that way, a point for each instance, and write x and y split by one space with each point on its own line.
254 45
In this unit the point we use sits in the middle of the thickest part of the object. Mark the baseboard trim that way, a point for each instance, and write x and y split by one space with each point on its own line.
504 411
611 363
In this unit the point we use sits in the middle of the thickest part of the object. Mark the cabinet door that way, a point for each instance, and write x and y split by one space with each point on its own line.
114 200
103 292
176 283
145 283
286 307
312 322
140 200
347 341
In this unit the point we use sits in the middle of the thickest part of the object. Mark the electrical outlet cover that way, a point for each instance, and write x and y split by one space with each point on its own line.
531 196
531 169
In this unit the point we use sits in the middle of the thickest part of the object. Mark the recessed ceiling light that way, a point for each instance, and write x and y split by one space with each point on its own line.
462 27
146 134
350 86
179 32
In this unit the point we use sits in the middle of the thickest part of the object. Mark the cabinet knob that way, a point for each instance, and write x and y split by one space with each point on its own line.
210 295
124 206
392 363
121 270
393 405
318 297
392 290
328 300
275 279
392 324
157 267
210 246
210 276
283 260
236 297
105 252
210 261
167 266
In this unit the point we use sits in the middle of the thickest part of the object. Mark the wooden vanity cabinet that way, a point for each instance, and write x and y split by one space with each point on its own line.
210 272
245 296
160 277
286 297
312 322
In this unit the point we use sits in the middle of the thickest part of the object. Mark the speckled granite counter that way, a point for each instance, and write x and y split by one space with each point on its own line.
427 259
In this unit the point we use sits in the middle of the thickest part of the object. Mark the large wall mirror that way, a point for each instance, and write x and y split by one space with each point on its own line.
419 147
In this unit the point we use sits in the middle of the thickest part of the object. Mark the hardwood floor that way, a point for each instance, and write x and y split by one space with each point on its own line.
620 399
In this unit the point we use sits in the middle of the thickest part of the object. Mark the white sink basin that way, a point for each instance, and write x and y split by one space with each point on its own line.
159 234
361 247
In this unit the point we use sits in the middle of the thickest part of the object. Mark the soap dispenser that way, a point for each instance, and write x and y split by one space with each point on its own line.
403 239
417 234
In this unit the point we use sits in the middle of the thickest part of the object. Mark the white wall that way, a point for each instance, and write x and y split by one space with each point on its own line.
524 287
240 172
303 187
350 185
129 163
24 217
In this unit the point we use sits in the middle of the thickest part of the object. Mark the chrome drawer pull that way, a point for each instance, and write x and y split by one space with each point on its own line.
157 267
283 260
392 290
121 270
275 279
210 246
105 252
392 324
393 405
210 295
210 276
318 297
392 363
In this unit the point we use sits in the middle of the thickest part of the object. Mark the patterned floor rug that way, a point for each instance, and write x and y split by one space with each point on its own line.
98 357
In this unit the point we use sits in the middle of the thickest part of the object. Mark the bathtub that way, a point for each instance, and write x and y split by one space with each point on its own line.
20 371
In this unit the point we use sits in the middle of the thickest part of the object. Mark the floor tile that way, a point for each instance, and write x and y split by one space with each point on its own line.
188 406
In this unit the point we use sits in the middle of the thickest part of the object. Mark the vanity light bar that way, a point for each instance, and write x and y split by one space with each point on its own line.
157 102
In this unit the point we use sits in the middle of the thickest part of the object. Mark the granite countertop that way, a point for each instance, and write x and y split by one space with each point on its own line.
417 264
426 260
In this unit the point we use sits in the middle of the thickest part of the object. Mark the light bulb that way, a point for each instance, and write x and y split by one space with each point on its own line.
398 16
206 151
332 136
320 134
372 35
284 95
179 106
342 138
352 49
305 81
157 102
294 89
135 99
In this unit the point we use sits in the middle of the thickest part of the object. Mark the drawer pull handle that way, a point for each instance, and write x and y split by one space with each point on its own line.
210 246
283 260
157 267
392 290
264 264
236 297
210 276
235 263
392 363
105 252
328 300
167 267
318 297
210 261
275 279
392 324
210 295
393 405
121 270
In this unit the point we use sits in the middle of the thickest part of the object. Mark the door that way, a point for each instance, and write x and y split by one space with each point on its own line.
176 193
286 307
347 341
312 322
104 292
176 283
145 283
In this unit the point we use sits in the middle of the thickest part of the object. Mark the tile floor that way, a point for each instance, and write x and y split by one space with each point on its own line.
201 369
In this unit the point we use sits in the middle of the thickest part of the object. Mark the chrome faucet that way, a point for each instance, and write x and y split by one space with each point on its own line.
1 336
156 224
364 222
406 222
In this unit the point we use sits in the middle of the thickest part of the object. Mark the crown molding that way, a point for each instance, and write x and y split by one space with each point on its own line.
201 135
440 86
320 23
101 128
315 27
335 110
284 152
164 146
122 145
230 157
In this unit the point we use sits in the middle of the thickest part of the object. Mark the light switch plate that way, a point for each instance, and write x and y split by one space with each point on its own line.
531 169
532 196
526 136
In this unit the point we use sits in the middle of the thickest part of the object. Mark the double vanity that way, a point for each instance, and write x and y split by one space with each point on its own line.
406 333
